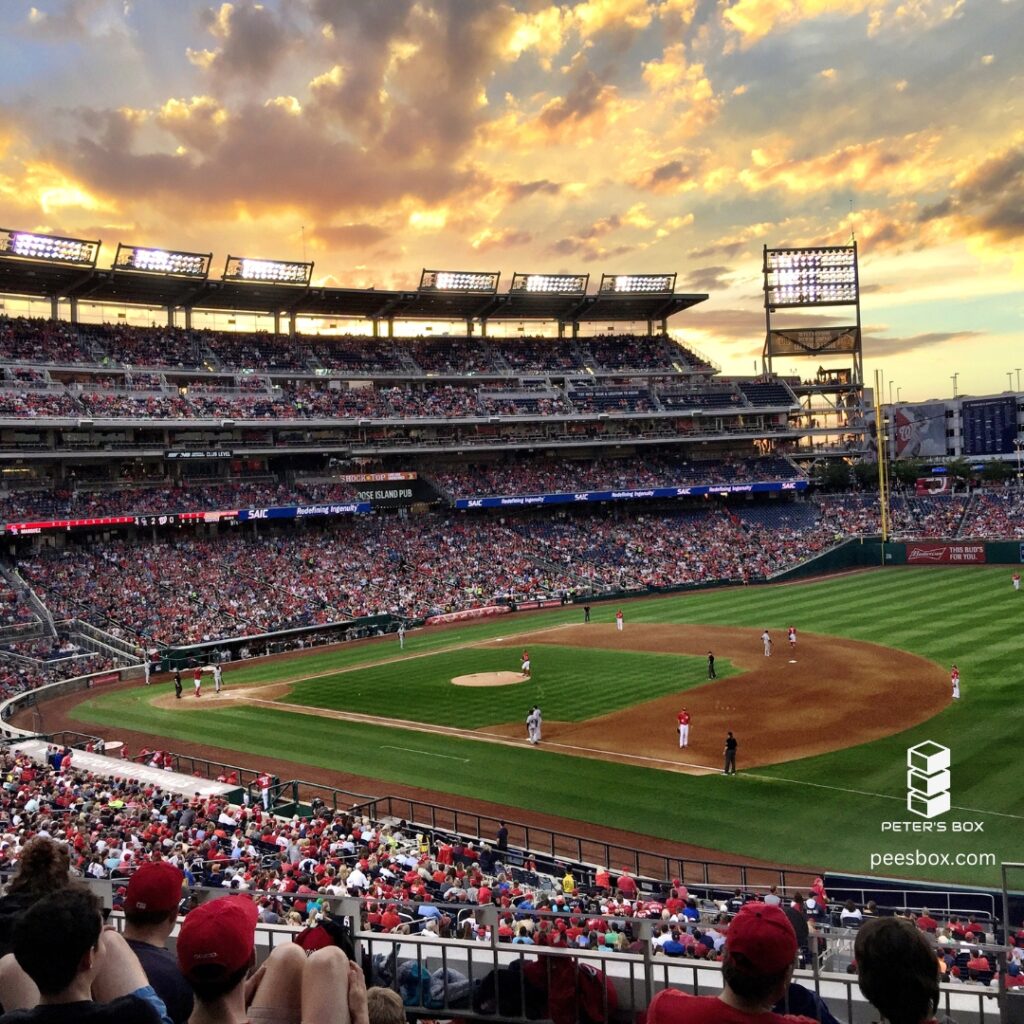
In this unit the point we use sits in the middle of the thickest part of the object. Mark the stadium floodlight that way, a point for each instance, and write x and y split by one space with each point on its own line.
242 268
162 261
458 281
638 284
825 276
27 245
551 284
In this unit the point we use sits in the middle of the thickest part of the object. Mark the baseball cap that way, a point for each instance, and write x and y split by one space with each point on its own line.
219 933
762 939
155 885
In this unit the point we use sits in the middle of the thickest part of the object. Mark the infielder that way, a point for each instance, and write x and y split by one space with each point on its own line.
525 667
766 639
684 727
401 636
954 678
217 679
197 680
792 638
618 620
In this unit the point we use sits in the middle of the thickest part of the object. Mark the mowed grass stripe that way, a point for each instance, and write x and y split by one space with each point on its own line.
968 615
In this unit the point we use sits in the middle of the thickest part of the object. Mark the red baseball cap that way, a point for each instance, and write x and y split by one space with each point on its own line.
220 933
155 885
761 939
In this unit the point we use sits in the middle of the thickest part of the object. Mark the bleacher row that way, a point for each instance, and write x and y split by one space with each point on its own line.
417 891
304 401
34 341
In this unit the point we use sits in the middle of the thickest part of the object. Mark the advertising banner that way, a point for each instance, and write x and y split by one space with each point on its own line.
934 553
468 613
518 500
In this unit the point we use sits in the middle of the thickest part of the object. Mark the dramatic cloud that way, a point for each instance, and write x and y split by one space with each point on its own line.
592 135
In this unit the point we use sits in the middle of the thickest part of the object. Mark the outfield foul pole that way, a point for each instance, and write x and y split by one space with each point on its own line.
883 481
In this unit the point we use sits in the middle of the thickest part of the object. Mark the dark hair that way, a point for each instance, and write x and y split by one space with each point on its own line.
42 867
749 986
148 918
210 989
897 970
73 914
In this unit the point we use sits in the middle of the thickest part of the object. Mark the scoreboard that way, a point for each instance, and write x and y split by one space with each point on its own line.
989 425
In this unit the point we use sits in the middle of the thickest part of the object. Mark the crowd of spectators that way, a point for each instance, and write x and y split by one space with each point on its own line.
188 590
62 823
644 470
160 347
994 514
121 344
34 340
196 495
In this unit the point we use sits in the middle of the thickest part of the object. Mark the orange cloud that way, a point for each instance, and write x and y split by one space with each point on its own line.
893 165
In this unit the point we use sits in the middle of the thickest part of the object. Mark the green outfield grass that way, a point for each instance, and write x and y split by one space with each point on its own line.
570 684
826 812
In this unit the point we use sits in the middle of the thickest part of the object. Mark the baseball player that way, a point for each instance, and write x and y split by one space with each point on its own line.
684 727
525 667
263 780
954 678
711 666
618 620
766 639
197 680
147 666
538 721
791 633
1016 581
531 726
401 636
218 675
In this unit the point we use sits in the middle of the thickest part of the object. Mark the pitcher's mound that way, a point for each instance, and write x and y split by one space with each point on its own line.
490 679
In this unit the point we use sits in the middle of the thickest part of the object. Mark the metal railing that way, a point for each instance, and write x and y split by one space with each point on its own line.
438 976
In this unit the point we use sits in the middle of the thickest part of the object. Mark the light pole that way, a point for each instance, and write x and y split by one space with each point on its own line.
1017 368
890 392
1009 380
899 388
954 380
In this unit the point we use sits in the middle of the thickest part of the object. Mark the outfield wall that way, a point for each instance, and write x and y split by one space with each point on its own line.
870 552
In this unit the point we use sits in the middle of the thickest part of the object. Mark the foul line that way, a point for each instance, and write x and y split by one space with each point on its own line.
425 753
865 792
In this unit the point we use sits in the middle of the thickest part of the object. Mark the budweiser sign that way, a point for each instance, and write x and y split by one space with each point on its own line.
925 553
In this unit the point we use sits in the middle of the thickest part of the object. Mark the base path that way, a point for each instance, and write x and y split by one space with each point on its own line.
827 694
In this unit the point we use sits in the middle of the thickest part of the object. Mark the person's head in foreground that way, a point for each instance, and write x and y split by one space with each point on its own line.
897 969
72 916
216 946
760 952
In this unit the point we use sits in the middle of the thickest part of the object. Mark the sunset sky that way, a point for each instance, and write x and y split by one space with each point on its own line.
384 136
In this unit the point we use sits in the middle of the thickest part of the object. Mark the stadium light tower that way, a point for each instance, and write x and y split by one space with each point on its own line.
643 284
27 245
170 262
485 282
259 271
550 284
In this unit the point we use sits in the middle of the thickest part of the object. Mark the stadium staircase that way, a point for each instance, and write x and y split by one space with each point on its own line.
19 584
